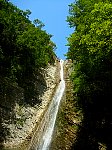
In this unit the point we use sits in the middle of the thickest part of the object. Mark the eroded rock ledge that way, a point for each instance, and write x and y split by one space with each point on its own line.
28 116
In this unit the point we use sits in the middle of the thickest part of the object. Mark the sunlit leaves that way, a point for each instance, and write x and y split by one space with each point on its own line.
90 44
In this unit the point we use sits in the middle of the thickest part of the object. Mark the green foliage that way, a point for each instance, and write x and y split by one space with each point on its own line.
90 48
38 23
24 47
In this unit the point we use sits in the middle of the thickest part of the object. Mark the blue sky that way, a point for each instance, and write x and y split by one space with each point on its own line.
53 13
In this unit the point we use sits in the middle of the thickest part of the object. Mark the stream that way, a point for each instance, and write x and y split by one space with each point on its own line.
48 121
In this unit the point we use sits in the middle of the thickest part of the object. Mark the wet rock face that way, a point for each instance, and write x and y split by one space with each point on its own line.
65 128
24 117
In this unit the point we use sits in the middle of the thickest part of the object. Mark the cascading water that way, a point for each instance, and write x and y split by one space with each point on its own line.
51 114
43 135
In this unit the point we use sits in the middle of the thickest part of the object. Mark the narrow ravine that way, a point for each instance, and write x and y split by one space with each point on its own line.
46 128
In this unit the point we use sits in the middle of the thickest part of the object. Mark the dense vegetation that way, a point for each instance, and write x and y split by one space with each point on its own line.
24 46
90 48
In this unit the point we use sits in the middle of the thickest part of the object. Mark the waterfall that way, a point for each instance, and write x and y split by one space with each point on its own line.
49 119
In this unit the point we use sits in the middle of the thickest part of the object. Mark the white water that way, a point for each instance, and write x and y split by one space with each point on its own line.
50 116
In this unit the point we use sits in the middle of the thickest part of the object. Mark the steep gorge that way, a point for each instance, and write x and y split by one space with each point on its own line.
29 118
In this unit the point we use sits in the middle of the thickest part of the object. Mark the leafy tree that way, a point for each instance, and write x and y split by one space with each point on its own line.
24 48
91 51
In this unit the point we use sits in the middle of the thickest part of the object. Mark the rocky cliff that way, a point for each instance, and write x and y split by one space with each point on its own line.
68 116
18 122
